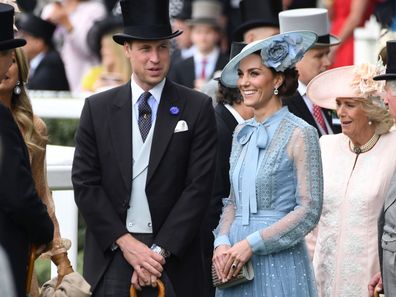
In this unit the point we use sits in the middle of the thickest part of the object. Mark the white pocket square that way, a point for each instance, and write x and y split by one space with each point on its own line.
181 126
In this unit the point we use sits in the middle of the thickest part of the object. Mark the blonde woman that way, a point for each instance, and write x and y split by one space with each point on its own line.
114 69
358 166
13 95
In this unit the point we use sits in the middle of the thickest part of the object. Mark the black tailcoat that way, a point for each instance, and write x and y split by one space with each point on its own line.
179 178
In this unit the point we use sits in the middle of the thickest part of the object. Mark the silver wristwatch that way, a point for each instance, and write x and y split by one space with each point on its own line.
159 250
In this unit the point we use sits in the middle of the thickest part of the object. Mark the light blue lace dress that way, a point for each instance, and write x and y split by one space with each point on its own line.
276 199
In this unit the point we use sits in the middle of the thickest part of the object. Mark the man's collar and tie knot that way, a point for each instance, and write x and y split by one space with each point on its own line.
144 115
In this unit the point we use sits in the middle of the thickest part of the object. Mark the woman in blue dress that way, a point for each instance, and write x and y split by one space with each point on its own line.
275 173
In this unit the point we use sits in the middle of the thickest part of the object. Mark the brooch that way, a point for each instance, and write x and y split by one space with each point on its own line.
174 110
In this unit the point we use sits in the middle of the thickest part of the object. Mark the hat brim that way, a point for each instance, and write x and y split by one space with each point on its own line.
334 40
386 76
11 44
204 21
239 31
121 38
319 92
229 75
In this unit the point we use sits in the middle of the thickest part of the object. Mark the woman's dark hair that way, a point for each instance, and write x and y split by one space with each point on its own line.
225 95
290 82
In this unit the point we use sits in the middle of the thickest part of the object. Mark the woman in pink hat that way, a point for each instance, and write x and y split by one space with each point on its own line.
357 169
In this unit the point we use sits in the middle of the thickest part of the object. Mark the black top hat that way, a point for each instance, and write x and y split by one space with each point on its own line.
257 13
7 40
145 20
100 28
185 12
236 48
390 73
37 27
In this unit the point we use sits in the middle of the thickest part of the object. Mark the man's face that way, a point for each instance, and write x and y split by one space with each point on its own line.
5 62
34 45
149 60
183 40
204 37
259 33
390 97
315 61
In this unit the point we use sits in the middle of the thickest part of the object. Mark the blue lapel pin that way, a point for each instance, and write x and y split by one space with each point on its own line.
174 110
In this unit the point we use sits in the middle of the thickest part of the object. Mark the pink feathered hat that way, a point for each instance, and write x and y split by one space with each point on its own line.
346 82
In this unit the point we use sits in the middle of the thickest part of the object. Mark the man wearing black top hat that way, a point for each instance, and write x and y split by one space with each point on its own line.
143 168
47 71
23 217
184 47
387 220
259 20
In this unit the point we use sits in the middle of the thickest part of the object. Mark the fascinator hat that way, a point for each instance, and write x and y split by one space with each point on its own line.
347 82
279 52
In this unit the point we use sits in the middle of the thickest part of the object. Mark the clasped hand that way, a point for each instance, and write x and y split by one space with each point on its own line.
228 261
147 265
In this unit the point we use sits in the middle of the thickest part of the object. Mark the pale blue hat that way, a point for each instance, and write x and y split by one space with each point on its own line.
280 52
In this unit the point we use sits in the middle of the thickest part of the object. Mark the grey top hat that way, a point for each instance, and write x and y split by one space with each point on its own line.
390 73
280 52
206 12
7 40
311 19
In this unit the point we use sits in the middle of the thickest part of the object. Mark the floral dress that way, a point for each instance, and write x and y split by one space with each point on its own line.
276 199
346 251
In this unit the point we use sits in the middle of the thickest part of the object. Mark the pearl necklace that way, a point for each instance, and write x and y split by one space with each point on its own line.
365 147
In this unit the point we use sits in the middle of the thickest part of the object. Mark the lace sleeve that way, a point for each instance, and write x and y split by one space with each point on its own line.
229 204
304 149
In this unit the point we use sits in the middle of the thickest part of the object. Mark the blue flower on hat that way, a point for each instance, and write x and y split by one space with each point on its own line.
174 110
283 52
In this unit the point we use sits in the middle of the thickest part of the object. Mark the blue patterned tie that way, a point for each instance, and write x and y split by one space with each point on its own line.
144 115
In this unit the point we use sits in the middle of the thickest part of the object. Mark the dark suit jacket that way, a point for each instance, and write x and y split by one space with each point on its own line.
179 178
226 124
183 72
297 106
50 74
23 217
176 57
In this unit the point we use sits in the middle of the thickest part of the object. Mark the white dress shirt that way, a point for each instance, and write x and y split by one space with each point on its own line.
211 61
236 114
302 89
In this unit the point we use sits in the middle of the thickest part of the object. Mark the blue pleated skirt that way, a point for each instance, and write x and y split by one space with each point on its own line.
287 273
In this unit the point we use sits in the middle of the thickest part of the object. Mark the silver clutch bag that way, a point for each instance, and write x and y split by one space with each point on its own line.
246 274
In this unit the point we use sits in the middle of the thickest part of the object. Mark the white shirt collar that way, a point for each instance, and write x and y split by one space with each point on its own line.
187 52
156 92
210 58
302 89
36 61
236 114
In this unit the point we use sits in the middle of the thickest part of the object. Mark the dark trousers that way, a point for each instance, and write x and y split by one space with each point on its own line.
116 281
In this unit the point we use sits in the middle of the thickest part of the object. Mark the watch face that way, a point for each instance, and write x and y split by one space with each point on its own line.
159 250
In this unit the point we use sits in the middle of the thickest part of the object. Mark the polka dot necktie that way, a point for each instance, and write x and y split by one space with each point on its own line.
144 115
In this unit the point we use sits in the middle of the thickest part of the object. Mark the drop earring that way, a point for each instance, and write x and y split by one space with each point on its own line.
370 123
276 92
17 88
